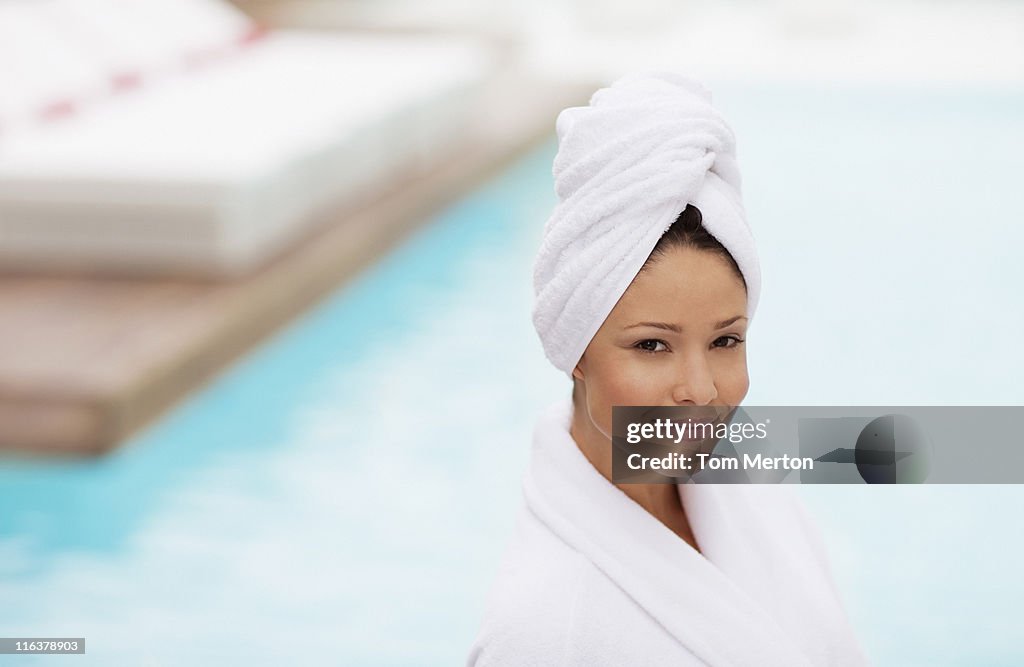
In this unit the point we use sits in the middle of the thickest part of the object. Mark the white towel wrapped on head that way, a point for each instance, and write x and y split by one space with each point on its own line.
627 165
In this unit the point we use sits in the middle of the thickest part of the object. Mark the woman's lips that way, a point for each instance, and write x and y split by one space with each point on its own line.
678 431
684 413
695 430
684 425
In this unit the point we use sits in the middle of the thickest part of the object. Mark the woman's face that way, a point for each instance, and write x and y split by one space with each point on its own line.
674 338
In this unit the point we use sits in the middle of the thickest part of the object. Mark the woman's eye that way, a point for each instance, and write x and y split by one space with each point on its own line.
651 345
727 341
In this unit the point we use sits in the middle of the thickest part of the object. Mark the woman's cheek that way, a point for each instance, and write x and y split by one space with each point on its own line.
733 381
619 383
631 383
635 379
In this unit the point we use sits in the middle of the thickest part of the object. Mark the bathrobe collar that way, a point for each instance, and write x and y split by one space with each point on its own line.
708 610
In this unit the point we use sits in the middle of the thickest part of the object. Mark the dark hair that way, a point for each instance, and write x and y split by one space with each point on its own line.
689 232
686 232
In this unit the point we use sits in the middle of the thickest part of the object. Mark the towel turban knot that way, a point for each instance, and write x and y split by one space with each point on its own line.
627 165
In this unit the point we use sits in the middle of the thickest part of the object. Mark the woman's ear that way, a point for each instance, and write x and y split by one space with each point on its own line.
576 372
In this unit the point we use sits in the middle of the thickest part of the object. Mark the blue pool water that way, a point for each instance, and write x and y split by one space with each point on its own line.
341 496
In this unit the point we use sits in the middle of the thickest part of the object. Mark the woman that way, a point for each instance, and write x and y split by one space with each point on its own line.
645 283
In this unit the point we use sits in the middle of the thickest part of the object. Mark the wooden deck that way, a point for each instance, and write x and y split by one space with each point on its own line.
85 361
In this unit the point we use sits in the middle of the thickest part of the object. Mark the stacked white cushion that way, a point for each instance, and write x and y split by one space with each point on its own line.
146 36
38 68
210 170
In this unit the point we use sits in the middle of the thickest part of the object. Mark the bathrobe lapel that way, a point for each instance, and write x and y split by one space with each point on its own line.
706 608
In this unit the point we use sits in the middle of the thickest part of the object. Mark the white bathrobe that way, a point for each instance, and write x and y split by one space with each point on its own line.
590 578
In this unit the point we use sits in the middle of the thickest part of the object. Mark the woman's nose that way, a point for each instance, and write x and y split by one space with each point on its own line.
695 382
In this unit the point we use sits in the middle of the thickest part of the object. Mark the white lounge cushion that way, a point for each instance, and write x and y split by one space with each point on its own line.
213 169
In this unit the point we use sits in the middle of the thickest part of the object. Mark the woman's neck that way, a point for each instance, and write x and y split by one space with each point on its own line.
660 500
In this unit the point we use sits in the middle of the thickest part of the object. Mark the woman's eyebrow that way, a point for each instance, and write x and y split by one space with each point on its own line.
677 329
657 325
725 323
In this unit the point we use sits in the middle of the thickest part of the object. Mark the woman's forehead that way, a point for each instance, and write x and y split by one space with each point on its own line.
685 277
